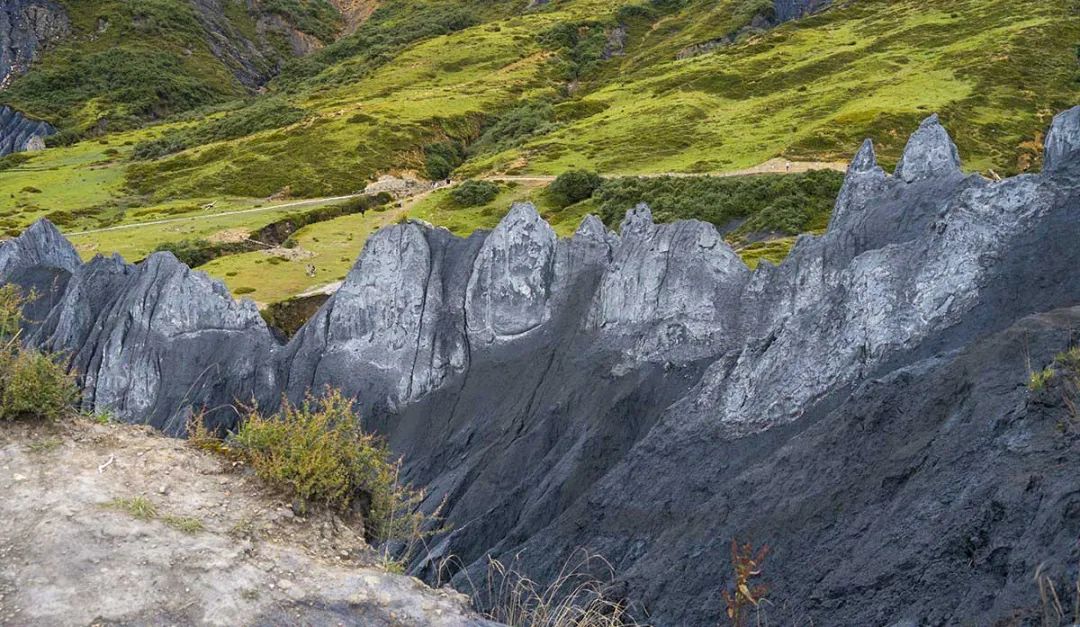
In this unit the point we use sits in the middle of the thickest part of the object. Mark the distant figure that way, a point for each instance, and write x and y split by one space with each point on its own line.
311 270
789 166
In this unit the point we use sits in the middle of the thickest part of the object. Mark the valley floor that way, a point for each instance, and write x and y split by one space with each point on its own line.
115 524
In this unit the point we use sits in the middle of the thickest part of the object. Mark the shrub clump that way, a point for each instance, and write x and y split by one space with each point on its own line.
787 204
318 452
475 193
574 186
32 384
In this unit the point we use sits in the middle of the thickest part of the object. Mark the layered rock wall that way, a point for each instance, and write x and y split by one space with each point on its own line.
19 133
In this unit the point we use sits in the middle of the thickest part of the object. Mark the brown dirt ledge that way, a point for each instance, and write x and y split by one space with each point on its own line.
69 558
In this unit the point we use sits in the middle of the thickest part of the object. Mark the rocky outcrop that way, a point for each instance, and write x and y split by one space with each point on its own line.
862 407
27 27
19 133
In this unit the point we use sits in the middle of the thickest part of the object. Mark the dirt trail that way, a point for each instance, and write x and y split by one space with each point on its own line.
71 555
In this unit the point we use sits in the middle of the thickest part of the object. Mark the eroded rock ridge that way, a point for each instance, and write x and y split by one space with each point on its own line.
862 407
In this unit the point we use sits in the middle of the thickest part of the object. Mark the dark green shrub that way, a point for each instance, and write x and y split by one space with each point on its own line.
155 148
14 160
515 126
475 193
34 385
442 158
771 203
574 186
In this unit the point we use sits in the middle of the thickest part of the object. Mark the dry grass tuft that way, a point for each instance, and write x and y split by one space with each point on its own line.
577 597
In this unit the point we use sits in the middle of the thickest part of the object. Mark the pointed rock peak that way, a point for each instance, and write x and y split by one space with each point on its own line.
865 160
40 245
524 218
637 220
1062 147
43 228
930 153
521 212
591 228
164 260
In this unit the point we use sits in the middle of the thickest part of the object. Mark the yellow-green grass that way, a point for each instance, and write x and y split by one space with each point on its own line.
134 241
334 246
815 87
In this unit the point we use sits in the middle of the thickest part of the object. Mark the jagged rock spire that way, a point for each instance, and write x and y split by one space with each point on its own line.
591 227
866 159
40 245
930 153
509 287
862 182
1063 143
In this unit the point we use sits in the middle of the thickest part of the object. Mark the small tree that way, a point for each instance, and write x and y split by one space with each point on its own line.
574 186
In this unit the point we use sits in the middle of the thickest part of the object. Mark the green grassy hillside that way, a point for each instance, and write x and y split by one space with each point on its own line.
466 89
127 62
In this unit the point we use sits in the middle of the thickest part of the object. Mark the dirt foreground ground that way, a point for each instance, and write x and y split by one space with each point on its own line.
78 546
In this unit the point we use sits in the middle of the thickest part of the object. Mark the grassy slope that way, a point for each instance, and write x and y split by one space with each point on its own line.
994 70
126 62
808 90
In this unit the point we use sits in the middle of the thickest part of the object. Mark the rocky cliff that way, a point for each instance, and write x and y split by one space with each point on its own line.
19 133
862 408
26 28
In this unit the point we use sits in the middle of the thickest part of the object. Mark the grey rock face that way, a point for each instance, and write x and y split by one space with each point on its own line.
862 407
26 28
509 287
930 153
19 133
1062 146
40 245
150 343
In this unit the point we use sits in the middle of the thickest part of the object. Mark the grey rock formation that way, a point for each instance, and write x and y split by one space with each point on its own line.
862 407
19 133
930 153
1063 145
26 28
150 343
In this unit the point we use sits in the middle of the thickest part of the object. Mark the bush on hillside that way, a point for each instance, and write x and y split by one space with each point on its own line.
771 203
262 115
319 453
442 158
514 127
574 186
34 385
475 193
